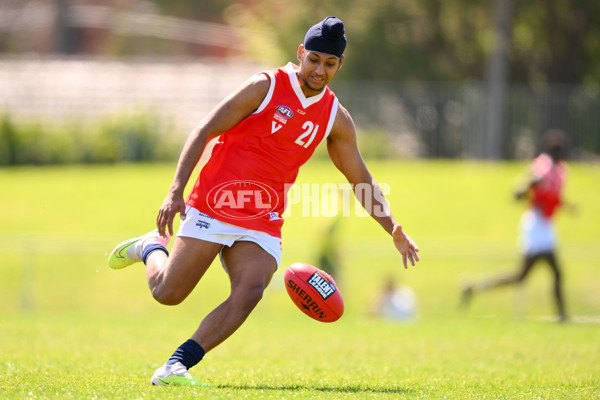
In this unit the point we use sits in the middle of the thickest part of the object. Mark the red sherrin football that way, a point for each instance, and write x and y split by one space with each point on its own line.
314 292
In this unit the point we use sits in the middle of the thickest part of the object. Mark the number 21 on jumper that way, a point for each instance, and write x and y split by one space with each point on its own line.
310 129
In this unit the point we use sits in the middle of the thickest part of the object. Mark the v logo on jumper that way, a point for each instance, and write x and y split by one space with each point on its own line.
275 127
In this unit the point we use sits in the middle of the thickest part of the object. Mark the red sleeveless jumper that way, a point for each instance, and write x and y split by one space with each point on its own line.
252 165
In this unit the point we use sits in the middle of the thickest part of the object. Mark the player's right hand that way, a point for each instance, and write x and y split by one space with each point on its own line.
172 205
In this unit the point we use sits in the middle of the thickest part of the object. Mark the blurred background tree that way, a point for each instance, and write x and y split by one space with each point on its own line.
556 41
205 10
412 40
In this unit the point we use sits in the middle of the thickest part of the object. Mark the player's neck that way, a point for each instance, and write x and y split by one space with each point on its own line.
306 88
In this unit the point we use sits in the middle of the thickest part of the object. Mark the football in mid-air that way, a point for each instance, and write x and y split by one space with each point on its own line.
314 292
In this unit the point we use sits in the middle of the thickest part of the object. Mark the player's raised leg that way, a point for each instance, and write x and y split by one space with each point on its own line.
171 278
134 250
470 290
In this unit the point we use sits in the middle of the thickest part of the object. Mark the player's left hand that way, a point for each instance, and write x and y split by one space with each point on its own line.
405 245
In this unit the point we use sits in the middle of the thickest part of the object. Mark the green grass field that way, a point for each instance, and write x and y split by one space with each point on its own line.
72 328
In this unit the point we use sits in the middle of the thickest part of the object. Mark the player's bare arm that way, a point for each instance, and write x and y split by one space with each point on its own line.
233 109
343 150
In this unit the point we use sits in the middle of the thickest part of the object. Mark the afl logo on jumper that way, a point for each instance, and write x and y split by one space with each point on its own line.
285 111
242 199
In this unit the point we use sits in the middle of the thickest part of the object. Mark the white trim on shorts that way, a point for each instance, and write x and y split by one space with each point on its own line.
537 233
201 226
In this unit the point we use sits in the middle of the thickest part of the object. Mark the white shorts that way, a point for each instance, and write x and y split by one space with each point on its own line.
201 226
537 233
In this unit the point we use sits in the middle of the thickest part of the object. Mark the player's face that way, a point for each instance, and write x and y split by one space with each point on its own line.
316 70
556 152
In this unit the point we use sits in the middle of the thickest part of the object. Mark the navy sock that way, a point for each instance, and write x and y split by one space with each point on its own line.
189 354
152 247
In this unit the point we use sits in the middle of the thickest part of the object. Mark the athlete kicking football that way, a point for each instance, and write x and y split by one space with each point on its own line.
266 130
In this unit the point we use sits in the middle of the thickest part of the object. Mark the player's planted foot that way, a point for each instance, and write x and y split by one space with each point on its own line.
466 296
130 251
562 317
175 375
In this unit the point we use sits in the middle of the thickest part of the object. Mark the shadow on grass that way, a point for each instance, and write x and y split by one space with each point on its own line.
326 389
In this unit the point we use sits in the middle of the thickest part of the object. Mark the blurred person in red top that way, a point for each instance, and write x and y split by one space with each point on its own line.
543 191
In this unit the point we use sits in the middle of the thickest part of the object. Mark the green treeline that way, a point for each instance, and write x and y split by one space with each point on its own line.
138 137
554 41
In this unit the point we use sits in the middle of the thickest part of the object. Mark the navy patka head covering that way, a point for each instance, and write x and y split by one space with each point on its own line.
326 37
